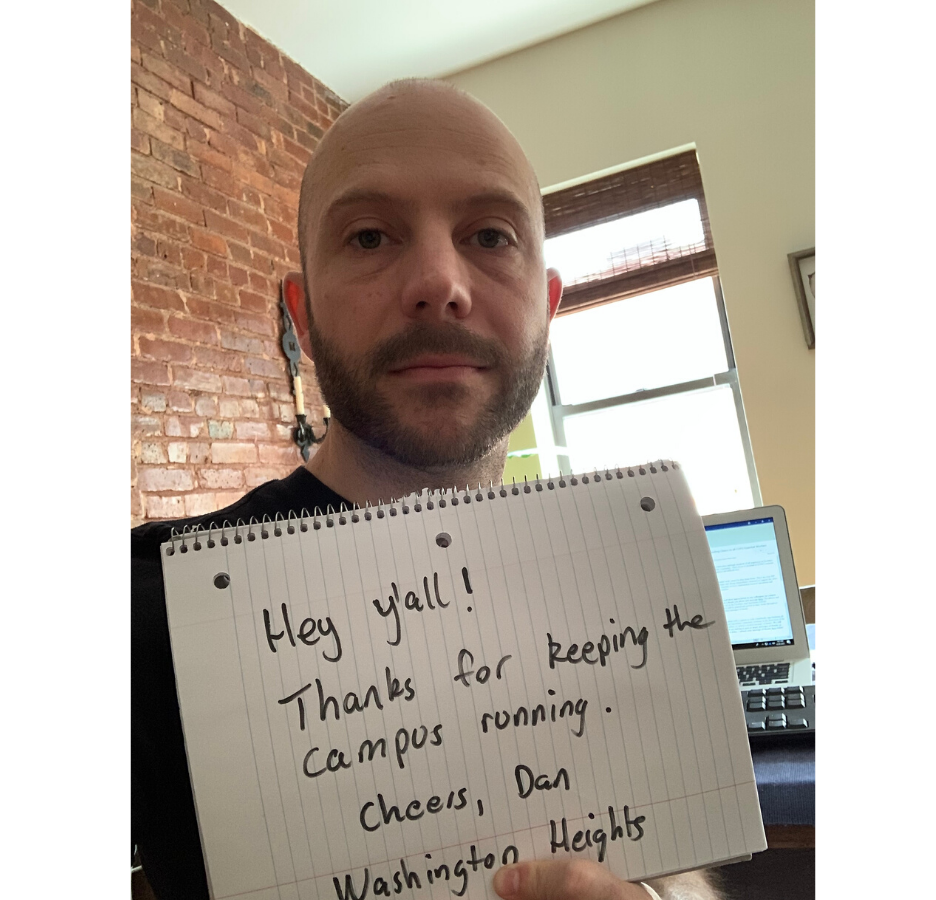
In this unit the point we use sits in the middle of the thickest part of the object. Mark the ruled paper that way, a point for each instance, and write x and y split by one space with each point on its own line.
654 736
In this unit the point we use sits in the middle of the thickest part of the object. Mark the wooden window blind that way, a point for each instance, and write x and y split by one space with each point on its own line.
650 266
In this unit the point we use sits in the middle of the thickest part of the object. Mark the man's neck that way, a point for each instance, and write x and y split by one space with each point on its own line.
361 474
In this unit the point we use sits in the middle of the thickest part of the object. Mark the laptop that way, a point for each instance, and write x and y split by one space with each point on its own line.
754 564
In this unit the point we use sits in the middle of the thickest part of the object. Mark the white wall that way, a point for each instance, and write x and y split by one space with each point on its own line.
737 79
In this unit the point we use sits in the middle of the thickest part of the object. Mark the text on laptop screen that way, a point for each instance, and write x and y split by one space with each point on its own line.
747 563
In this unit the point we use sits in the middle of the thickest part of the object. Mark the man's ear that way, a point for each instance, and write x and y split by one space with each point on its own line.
294 294
554 287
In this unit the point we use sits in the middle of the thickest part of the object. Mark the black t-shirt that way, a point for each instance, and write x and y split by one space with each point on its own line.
162 809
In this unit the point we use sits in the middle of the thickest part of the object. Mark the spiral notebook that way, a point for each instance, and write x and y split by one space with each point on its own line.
397 700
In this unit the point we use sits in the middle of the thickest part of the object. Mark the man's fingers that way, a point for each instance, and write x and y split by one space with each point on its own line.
568 879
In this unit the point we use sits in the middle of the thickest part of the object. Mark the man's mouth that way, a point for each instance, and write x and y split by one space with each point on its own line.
438 367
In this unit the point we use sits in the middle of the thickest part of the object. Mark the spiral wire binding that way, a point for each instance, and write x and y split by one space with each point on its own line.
433 497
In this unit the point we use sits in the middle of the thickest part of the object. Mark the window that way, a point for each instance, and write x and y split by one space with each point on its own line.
641 365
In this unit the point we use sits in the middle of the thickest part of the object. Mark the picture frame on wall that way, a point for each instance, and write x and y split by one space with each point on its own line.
803 270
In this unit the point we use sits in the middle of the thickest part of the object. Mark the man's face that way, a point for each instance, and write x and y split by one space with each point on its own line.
427 288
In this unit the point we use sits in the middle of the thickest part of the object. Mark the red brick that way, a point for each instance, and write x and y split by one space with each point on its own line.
143 243
139 141
146 320
205 196
282 212
151 295
209 242
192 108
204 153
231 340
239 387
263 183
177 452
164 507
144 36
158 23
148 425
145 372
152 170
258 476
156 221
140 191
165 480
155 271
226 293
253 302
134 53
277 455
217 268
179 206
237 276
201 284
200 504
178 159
227 227
227 52
217 360
283 162
249 215
193 259
283 232
196 380
152 401
220 478
255 324
199 451
266 368
282 391
220 180
229 407
185 426
179 401
251 431
193 330
189 28
168 351
213 100
206 406
150 82
252 123
206 309
222 452
267 244
190 64
169 74
169 251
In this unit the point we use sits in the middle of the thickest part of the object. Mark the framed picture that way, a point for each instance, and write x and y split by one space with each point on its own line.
803 270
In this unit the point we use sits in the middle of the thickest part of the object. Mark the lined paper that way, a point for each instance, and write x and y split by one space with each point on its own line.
660 744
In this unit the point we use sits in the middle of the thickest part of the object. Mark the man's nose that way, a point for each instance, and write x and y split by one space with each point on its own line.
436 281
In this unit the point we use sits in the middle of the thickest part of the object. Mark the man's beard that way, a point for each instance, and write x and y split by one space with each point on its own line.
350 390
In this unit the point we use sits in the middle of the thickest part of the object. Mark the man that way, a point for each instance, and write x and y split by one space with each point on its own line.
427 314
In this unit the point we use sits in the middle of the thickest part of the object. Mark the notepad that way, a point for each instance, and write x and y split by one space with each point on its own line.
398 700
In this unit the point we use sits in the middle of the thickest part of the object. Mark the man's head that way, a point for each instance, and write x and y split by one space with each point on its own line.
428 301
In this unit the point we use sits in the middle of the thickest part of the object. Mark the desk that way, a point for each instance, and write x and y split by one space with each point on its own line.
785 771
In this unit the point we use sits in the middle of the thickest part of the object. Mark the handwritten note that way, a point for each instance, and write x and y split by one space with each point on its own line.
400 701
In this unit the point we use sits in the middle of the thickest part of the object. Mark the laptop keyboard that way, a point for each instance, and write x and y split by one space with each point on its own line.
769 673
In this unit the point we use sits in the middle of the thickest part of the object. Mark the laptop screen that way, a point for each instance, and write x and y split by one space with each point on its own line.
747 563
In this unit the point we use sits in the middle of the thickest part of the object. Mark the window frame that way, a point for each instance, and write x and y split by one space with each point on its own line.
559 411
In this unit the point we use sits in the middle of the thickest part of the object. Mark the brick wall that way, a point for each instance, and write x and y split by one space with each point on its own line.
223 125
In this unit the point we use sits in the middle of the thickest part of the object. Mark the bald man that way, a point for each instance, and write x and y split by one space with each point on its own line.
427 314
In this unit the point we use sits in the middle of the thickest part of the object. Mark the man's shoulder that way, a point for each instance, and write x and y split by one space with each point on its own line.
296 492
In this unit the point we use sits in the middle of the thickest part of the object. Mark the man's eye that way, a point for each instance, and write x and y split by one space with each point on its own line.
368 239
491 238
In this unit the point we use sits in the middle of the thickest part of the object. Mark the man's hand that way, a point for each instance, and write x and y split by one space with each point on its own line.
583 879
567 879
